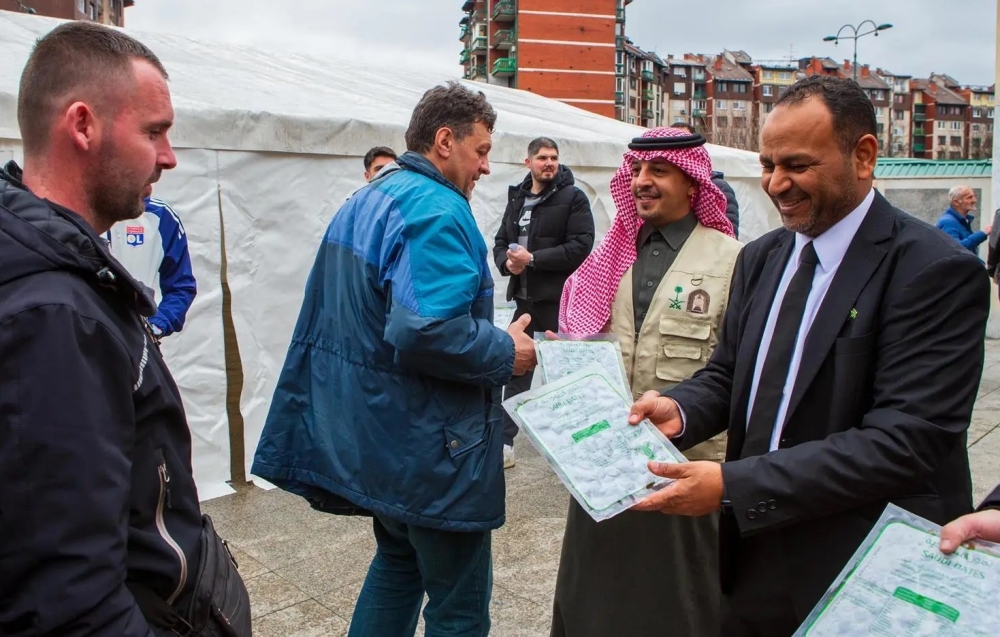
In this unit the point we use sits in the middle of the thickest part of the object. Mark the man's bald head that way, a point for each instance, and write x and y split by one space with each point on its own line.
76 62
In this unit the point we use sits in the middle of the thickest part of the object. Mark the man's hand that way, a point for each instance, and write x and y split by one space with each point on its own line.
662 412
984 525
524 346
520 258
696 490
988 229
513 268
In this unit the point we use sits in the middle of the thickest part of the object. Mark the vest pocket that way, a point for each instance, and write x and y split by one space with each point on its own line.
683 347
465 435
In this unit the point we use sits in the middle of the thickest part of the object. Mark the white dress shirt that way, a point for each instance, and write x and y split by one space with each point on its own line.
831 246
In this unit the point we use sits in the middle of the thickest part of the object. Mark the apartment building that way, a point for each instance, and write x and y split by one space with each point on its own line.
981 101
943 114
901 130
563 49
686 85
110 12
639 87
771 78
730 104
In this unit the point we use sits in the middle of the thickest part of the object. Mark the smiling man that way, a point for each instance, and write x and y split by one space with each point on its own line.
549 219
845 372
389 401
660 282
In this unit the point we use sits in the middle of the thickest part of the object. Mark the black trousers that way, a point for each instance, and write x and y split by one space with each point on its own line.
759 605
544 316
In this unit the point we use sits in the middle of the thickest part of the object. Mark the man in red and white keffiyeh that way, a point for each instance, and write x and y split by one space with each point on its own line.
585 305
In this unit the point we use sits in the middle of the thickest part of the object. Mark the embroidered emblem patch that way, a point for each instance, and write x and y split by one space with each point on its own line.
676 303
135 235
698 302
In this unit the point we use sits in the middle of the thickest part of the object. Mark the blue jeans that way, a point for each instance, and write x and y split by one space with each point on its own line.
454 569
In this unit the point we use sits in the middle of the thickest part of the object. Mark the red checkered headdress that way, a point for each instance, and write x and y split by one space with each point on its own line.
585 306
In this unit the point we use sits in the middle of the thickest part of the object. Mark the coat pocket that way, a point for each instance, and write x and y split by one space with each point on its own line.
462 436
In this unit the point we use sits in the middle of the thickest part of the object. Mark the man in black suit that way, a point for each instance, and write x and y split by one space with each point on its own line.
846 371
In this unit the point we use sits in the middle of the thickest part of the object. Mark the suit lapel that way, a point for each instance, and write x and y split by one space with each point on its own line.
861 260
760 307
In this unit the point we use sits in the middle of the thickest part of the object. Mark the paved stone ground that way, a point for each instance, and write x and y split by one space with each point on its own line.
304 569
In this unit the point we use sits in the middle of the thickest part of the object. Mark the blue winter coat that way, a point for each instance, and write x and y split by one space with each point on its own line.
389 399
960 228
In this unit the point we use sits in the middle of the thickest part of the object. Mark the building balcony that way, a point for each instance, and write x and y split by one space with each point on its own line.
619 98
919 117
476 72
620 70
648 75
699 95
918 132
503 39
620 15
620 42
699 112
648 95
479 44
504 67
463 34
647 113
464 57
504 12
698 76
468 5
918 148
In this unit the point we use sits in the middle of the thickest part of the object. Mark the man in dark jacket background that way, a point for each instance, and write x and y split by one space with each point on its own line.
719 179
97 497
546 233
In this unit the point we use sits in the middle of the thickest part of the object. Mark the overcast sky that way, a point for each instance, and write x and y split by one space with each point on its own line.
951 36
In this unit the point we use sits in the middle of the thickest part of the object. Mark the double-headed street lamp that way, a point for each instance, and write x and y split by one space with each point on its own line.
857 34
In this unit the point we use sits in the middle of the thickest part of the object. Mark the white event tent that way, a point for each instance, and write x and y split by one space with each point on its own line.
269 146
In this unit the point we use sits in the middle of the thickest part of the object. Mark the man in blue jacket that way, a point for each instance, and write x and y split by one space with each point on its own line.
957 219
389 400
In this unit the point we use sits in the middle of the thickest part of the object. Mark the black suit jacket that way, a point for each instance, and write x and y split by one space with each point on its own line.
992 501
880 406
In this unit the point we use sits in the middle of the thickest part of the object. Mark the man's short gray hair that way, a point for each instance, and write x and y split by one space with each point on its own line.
957 192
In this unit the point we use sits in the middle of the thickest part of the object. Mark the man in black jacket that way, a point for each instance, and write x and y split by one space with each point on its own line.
98 503
546 233
719 179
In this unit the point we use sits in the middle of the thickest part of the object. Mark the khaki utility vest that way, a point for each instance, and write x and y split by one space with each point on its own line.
681 327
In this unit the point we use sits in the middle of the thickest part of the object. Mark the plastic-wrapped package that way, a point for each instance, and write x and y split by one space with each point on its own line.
899 583
503 315
566 354
579 424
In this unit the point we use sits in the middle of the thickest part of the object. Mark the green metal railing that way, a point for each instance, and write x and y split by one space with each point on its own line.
504 11
504 66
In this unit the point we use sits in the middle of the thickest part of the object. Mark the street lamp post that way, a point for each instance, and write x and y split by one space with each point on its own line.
857 34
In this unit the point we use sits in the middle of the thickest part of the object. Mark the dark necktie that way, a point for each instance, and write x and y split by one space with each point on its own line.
774 373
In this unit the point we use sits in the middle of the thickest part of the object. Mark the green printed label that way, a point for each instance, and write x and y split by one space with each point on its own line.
936 607
591 430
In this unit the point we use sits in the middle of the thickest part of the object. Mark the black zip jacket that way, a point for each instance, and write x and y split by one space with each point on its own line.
96 484
560 237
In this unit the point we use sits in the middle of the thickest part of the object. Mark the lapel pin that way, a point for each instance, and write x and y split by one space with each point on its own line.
854 313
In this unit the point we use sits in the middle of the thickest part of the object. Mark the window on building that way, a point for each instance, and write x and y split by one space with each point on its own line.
956 126
899 99
740 87
81 6
942 140
721 87
784 76
879 111
955 154
680 71
897 130
620 84
879 128
93 11
975 128
678 106
768 75
739 105
721 105
767 91
977 112
900 115
942 125
632 103
989 113
721 120
631 120
956 141
679 88
768 107
632 84
701 105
